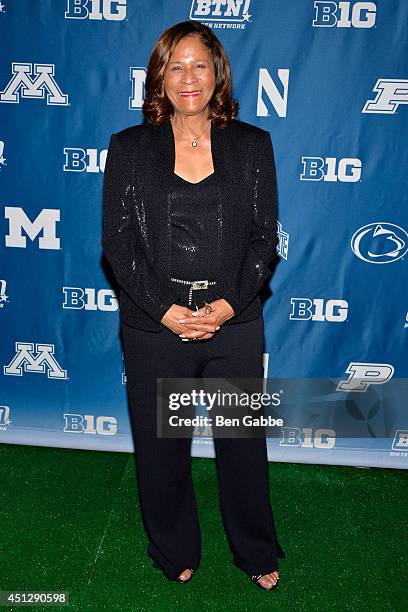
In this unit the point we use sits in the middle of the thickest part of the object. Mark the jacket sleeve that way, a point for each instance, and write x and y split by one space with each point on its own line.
262 248
121 241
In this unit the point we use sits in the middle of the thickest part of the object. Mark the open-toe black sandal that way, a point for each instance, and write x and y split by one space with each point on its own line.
256 578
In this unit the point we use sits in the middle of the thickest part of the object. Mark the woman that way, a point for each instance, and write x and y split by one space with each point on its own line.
189 208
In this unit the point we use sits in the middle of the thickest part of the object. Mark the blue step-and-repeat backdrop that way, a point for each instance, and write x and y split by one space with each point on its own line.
329 80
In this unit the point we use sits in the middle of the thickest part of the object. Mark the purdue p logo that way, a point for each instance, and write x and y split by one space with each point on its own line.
390 94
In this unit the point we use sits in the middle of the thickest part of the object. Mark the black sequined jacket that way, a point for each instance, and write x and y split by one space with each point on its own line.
136 218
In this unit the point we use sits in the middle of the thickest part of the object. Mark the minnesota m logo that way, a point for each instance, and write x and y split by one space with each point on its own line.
22 84
24 360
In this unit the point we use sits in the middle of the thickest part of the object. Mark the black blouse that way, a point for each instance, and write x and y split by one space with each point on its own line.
194 228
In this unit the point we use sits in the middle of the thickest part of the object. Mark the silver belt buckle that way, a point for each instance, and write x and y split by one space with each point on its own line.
200 284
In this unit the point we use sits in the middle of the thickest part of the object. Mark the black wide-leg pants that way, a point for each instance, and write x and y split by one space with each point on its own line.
166 492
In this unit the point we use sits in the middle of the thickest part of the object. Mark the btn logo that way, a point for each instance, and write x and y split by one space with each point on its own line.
110 10
307 438
223 11
304 309
89 299
4 298
89 424
345 170
2 158
329 14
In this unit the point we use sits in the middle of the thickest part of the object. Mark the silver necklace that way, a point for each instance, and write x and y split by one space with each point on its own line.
194 142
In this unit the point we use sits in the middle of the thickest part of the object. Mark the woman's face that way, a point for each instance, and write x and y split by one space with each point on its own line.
189 77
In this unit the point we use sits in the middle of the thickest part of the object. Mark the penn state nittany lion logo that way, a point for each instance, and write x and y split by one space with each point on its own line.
380 242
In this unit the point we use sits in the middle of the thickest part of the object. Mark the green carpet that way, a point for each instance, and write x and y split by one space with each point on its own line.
70 520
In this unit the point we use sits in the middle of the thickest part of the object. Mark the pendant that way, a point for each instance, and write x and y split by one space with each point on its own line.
194 142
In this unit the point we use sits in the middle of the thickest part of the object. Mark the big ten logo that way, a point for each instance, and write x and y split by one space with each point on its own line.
45 223
345 170
329 14
267 87
400 442
318 309
110 10
5 420
137 78
305 437
84 160
90 424
220 10
76 298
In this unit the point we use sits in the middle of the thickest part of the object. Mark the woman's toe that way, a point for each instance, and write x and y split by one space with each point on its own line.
185 575
266 581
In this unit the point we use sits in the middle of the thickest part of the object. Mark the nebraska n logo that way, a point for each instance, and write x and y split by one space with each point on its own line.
24 360
21 83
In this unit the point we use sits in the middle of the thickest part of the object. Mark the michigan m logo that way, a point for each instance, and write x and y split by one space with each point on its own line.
45 222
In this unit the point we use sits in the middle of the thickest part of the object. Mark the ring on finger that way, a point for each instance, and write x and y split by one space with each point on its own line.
207 308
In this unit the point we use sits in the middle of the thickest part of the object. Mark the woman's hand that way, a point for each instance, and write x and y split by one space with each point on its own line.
180 320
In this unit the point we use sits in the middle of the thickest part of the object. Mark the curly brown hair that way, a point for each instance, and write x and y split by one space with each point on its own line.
157 108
